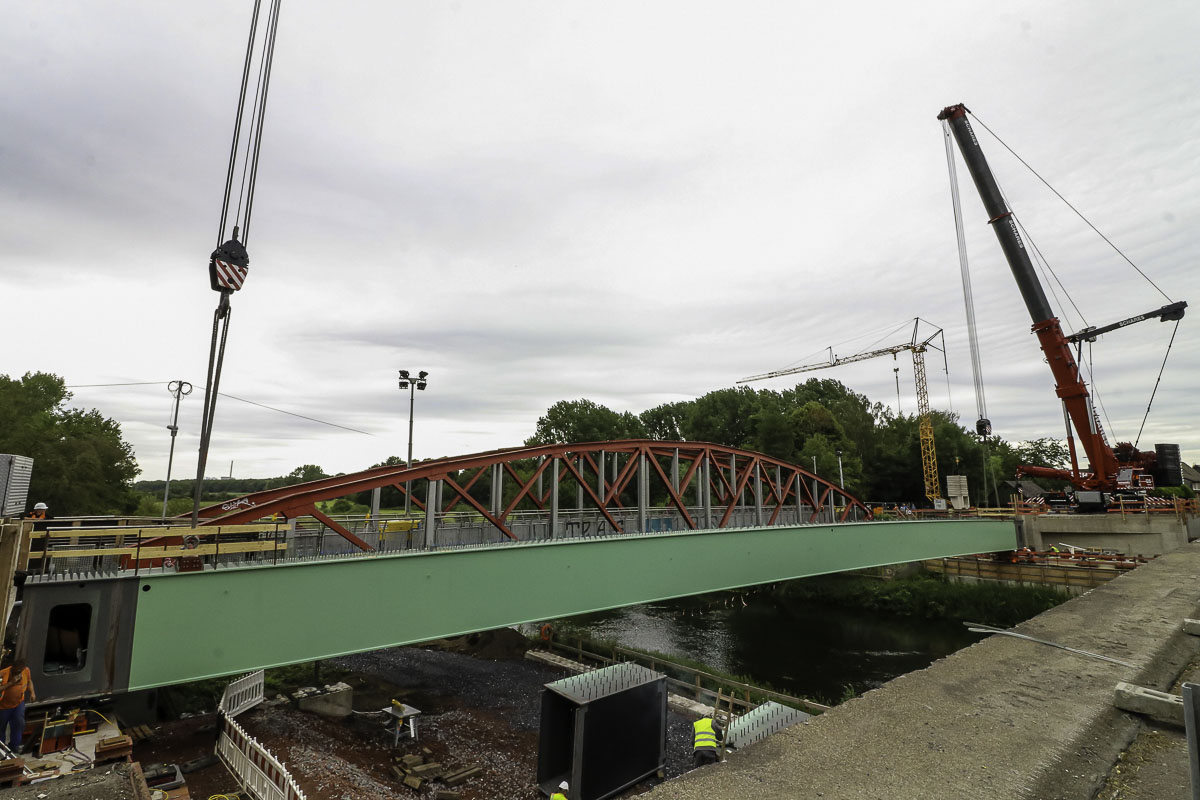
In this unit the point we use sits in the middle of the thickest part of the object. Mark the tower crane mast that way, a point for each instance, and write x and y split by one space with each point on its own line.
917 347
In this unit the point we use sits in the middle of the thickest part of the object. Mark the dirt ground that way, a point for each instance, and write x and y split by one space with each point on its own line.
480 702
1155 766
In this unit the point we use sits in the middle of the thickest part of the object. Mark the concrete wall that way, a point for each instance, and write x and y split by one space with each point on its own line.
1131 534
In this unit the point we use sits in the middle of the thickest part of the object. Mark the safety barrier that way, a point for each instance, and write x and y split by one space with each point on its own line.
259 772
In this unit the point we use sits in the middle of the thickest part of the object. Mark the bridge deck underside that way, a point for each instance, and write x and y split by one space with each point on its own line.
214 623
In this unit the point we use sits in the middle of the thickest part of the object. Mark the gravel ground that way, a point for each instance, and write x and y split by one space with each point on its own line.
475 710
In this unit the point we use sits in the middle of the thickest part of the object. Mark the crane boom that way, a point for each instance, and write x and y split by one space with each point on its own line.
1069 384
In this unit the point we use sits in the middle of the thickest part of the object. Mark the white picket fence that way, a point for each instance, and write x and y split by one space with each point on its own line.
253 765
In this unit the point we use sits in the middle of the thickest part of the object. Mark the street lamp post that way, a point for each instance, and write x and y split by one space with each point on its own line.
841 478
412 384
180 389
814 497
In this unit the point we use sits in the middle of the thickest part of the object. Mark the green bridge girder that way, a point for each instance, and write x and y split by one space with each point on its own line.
191 626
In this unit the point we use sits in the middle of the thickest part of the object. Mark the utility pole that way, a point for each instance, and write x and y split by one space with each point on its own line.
180 389
412 384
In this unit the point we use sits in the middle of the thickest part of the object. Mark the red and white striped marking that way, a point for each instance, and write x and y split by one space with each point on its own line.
230 276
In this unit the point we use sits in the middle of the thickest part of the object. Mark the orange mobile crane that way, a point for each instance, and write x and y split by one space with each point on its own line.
1108 471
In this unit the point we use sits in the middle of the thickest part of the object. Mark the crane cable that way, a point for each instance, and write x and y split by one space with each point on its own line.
1042 262
258 110
1156 381
230 262
1073 208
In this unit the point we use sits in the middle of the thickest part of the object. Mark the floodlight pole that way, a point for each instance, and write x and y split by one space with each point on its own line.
412 384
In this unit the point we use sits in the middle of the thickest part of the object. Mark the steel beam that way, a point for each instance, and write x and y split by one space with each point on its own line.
190 626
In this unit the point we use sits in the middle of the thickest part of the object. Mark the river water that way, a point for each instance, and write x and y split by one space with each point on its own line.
799 647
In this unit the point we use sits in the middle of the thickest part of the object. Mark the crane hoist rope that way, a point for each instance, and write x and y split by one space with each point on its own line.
229 263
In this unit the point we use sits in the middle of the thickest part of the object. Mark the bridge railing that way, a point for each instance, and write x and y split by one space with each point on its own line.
155 549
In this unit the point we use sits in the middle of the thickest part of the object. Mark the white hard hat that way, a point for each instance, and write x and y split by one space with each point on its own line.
564 786
39 507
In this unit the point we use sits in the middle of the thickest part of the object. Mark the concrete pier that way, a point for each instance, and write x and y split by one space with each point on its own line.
1004 718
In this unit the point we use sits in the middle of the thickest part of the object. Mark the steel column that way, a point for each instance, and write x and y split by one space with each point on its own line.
553 497
643 489
431 509
705 489
758 505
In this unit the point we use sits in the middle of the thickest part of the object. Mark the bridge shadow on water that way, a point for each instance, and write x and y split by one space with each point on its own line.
797 646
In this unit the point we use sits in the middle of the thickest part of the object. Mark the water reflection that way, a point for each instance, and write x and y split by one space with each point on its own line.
797 646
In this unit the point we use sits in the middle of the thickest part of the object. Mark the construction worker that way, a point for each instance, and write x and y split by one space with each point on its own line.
704 747
15 687
561 794
39 511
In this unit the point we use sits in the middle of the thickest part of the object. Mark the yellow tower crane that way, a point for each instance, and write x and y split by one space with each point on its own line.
917 347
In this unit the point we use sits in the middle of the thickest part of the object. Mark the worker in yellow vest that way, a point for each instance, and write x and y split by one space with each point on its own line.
706 742
561 794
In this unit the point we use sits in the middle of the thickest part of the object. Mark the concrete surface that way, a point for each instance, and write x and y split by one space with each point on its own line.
1161 707
1132 534
333 702
1004 718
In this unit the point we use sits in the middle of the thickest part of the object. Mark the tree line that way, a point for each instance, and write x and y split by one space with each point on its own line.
84 466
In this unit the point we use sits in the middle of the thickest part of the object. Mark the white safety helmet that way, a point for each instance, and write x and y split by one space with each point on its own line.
40 507
564 786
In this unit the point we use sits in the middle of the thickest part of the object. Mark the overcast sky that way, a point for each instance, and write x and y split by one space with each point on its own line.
626 201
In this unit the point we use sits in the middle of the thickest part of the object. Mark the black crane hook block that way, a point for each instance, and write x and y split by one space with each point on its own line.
228 266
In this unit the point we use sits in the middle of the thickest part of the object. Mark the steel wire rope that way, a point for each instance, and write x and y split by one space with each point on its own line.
872 332
231 397
269 57
237 125
1073 208
1154 391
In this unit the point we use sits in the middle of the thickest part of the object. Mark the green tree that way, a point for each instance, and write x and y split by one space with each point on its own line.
665 422
81 463
725 416
304 474
577 421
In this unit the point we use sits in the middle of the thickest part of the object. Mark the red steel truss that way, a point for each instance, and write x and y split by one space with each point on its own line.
610 476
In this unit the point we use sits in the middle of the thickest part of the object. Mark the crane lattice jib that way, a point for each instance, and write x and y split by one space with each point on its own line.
928 450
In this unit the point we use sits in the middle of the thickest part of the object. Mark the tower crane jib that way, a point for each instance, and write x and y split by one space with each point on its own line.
918 347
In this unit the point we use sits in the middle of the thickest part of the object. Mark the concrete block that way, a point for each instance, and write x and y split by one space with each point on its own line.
335 702
1158 706
1192 626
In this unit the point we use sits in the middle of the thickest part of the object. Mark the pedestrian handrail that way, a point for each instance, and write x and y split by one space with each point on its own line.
259 772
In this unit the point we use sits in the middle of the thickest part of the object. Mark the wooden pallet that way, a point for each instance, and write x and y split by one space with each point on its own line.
139 733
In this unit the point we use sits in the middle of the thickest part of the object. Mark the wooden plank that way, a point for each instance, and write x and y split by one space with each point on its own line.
170 551
153 533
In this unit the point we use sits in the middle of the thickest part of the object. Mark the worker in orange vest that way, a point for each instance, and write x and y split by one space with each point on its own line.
15 687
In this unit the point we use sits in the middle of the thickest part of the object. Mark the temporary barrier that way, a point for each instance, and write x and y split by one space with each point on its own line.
259 772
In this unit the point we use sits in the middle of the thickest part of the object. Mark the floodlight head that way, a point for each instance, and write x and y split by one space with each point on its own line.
422 374
421 386
839 453
403 384
404 374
